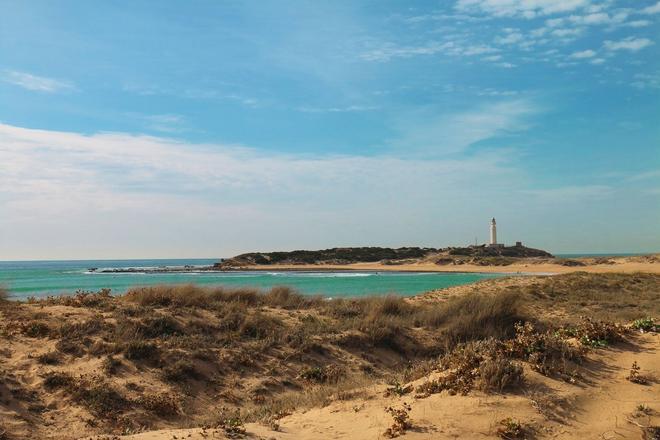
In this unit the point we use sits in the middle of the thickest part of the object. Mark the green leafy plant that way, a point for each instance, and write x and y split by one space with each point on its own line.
645 324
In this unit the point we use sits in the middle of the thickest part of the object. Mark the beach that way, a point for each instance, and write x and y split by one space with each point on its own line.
618 265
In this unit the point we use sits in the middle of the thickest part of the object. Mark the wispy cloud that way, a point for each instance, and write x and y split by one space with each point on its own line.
166 123
389 51
446 134
519 8
631 44
583 54
646 80
346 109
571 193
653 9
33 82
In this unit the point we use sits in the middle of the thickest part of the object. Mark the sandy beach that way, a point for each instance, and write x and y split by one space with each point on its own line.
619 265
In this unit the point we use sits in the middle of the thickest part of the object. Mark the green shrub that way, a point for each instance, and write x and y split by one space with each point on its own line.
645 324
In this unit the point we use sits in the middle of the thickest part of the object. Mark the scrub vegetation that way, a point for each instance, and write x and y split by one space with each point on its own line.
165 356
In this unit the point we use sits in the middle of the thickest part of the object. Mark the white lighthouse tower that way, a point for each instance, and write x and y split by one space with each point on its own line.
493 232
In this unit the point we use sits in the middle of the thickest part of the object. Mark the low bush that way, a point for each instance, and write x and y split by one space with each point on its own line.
73 347
548 353
56 380
646 325
160 326
110 365
401 421
330 374
100 399
476 316
140 350
78 330
163 405
261 326
598 333
180 371
49 358
35 329
499 374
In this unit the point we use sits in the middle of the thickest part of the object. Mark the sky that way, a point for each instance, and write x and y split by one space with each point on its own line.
143 129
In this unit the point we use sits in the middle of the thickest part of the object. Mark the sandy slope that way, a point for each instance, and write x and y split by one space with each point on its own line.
621 265
600 407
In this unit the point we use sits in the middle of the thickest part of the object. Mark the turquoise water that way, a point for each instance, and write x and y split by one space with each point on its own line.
41 278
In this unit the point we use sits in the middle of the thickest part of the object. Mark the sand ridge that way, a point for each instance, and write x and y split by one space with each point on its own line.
603 409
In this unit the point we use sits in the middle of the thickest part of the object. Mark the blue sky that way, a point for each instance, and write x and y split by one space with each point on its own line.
206 128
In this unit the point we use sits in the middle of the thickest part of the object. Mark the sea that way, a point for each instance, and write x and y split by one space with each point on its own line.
42 278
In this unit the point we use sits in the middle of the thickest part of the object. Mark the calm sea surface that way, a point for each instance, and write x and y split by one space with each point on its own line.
41 278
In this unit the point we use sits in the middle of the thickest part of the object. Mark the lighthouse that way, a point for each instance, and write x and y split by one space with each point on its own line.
493 232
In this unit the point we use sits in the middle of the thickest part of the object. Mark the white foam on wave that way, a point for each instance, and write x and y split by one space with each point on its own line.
329 274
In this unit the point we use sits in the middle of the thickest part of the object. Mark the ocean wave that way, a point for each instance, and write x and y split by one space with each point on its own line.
327 274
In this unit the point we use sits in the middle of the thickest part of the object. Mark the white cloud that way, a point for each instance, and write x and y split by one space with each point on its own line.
632 44
457 132
390 51
653 9
638 23
600 18
510 38
347 109
583 54
117 195
519 8
646 81
566 32
166 123
34 82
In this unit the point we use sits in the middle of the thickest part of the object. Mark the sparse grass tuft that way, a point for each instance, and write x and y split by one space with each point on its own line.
330 374
635 376
477 316
141 350
110 365
35 329
163 405
49 358
510 429
180 371
55 380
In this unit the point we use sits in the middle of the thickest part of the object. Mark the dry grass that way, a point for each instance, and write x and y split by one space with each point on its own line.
270 352
612 296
